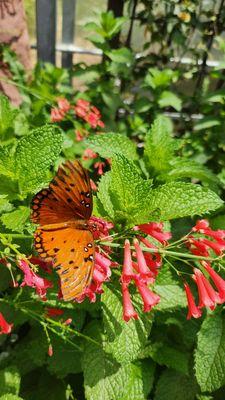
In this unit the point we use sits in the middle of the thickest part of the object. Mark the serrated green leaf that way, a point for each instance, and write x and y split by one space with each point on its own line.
106 379
124 340
129 192
172 385
210 354
179 199
7 115
35 154
5 205
169 99
104 195
109 144
181 168
159 145
16 220
164 354
7 162
171 293
9 381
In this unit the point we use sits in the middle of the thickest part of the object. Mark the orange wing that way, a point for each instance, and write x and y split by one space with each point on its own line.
72 251
68 197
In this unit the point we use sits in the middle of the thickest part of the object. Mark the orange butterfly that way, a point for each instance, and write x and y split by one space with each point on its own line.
64 234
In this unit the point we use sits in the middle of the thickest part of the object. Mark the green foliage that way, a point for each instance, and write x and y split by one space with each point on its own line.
124 340
209 355
101 371
9 381
16 220
7 115
109 144
173 385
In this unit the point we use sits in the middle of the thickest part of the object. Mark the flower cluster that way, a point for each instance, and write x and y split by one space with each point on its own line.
90 114
59 113
33 280
210 285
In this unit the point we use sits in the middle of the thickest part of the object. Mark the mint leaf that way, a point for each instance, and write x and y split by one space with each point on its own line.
7 162
109 144
159 145
124 340
129 192
210 354
122 55
5 205
35 154
103 195
171 293
163 354
7 115
173 385
16 220
169 99
106 379
9 381
179 199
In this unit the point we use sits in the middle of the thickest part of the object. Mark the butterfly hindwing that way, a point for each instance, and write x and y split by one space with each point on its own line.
72 252
68 197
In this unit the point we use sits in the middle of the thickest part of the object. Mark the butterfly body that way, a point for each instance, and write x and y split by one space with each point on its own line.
65 234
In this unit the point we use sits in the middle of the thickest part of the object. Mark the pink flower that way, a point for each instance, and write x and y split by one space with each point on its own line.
99 165
155 230
143 269
88 113
53 312
203 227
127 272
128 309
33 280
50 351
204 297
47 266
63 104
217 280
89 154
5 327
149 298
193 310
100 228
57 115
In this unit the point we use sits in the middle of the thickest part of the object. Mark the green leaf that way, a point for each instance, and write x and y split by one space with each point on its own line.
164 354
179 199
173 385
122 55
181 168
104 195
129 192
156 78
210 354
9 381
5 206
207 122
7 162
7 115
168 287
109 144
106 379
16 220
35 154
159 145
169 99
124 339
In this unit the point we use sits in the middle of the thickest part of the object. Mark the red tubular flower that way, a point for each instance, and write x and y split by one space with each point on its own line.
99 165
128 308
45 265
218 247
5 327
53 312
33 280
63 105
50 351
153 260
143 269
155 230
127 272
196 247
193 310
57 115
204 297
217 280
88 113
89 154
149 298
202 226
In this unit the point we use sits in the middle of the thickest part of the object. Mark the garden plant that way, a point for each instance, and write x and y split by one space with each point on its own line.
150 323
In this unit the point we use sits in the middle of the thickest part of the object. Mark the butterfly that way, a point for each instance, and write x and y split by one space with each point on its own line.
64 233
